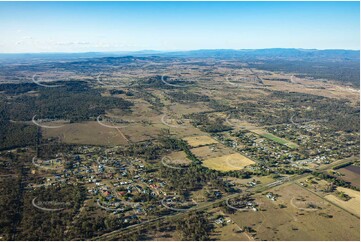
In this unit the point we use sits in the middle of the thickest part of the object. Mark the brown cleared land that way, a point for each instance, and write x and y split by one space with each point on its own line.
196 141
352 205
90 133
350 175
211 151
291 223
228 162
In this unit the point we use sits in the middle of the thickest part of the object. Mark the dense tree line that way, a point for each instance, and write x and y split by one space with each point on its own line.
187 97
49 150
14 89
37 224
75 101
345 71
336 181
195 227
156 82
12 188
193 178
342 165
8 209
13 135
90 225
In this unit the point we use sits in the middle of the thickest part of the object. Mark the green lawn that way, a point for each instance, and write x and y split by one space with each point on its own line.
280 140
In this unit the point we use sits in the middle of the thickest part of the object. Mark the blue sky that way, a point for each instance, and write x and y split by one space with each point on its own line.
121 26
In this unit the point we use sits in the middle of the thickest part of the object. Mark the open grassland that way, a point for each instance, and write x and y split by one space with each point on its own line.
90 133
93 133
314 87
228 231
195 141
211 151
140 132
178 158
293 222
230 162
352 205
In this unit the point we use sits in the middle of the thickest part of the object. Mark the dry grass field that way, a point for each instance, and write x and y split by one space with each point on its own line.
195 141
230 162
139 129
314 87
229 231
178 157
169 122
291 223
90 133
211 151
352 205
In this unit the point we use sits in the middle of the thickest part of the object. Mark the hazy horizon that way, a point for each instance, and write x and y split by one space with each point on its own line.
81 27
169 51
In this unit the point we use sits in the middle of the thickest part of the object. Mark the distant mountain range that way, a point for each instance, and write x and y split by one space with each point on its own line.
278 53
272 53
339 65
